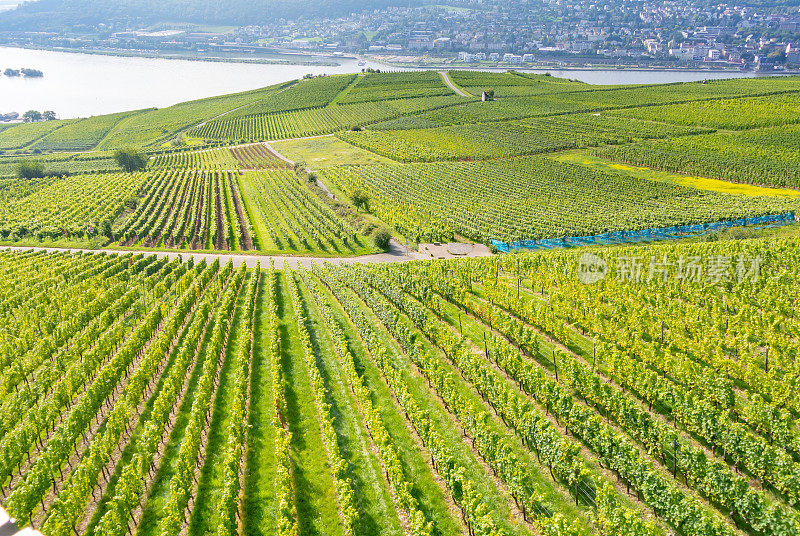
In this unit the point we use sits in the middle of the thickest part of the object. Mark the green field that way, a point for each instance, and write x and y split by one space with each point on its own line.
533 197
491 395
326 151
509 138
766 156
623 390
206 196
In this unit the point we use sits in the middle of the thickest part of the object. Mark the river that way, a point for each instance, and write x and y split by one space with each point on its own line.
80 85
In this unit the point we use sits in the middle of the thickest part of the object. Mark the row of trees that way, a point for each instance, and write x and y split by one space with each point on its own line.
128 159
33 116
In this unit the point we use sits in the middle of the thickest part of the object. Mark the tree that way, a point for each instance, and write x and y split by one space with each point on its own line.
130 159
381 237
106 228
48 115
360 200
31 116
29 169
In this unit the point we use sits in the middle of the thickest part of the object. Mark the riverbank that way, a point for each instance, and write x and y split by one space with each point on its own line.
441 63
329 61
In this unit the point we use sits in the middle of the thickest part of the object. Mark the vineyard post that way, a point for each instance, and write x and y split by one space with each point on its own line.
555 363
577 474
485 348
674 456
460 328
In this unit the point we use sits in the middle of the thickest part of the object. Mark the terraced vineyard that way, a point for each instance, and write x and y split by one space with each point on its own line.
730 114
526 198
313 93
513 84
286 216
646 390
388 86
486 396
75 206
255 156
317 121
258 156
80 135
221 158
65 163
766 156
21 135
508 138
189 209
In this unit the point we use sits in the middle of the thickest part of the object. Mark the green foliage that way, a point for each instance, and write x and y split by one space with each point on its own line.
768 156
130 159
511 138
532 197
317 121
29 169
381 236
730 114
360 199
31 116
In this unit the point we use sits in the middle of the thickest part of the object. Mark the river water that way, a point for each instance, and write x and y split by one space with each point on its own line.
80 85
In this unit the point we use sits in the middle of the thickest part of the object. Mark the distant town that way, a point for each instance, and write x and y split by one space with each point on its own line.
671 34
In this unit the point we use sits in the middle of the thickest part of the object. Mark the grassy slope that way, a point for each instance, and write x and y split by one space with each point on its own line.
155 126
83 134
415 462
701 183
377 515
497 501
259 486
326 151
27 133
314 492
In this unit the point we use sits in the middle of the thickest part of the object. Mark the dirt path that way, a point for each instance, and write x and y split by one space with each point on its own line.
396 253
451 85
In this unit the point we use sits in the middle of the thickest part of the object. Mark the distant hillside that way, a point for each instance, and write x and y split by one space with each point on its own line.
55 14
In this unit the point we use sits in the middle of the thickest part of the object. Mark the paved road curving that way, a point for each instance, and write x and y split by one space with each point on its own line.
396 253
451 85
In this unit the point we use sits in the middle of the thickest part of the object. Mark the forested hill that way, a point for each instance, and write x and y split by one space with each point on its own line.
53 14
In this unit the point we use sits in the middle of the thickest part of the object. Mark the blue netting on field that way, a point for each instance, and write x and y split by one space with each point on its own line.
645 235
